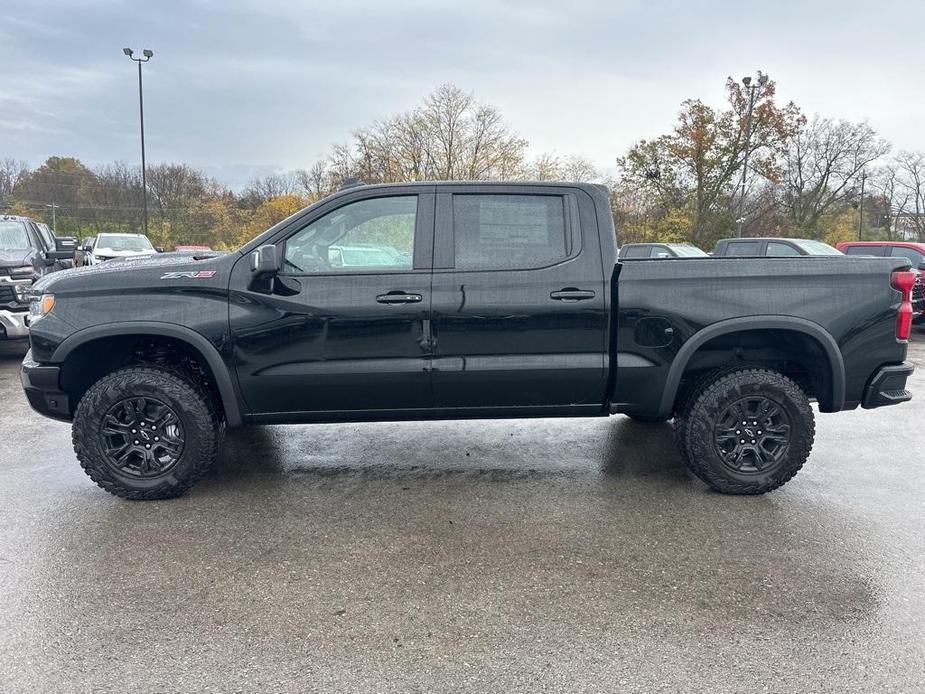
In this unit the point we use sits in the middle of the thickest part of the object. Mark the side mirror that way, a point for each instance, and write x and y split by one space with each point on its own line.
65 243
159 249
922 267
265 261
52 256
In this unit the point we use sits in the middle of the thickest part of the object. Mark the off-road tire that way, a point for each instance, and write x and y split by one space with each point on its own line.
705 404
202 428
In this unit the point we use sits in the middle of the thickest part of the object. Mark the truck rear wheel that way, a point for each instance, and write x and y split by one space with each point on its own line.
146 432
747 432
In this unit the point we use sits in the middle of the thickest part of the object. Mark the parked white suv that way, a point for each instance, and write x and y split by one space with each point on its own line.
111 246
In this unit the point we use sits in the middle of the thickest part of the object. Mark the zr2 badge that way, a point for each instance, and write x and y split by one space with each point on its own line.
190 275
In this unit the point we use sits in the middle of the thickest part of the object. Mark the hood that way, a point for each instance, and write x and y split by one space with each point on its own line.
15 258
134 270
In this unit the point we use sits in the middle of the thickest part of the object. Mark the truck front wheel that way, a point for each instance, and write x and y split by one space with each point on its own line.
747 432
146 432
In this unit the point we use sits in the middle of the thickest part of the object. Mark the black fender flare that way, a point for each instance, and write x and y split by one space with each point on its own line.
194 339
746 323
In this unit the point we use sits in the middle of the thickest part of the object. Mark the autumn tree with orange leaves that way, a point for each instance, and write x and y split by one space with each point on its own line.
694 170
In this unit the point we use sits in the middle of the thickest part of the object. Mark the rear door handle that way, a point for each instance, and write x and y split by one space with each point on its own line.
572 294
398 298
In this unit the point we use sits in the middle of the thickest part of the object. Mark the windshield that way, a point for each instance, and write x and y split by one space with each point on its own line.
684 251
124 242
13 236
818 248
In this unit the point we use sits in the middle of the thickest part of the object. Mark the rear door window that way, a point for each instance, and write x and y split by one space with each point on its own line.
509 232
864 250
775 248
636 252
743 248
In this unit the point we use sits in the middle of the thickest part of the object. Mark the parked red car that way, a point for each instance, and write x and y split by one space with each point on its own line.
915 252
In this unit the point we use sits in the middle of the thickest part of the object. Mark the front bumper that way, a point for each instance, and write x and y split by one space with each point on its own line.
41 384
888 386
13 324
13 309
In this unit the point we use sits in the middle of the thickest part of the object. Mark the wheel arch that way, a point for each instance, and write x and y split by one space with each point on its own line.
192 339
793 324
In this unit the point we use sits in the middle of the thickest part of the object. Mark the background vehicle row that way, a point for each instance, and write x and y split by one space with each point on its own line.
28 251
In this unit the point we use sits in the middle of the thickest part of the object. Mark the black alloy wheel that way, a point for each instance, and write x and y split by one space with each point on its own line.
752 435
142 437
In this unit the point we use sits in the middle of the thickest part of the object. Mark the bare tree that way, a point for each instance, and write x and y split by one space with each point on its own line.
451 136
912 171
824 162
316 181
552 167
11 173
887 181
259 190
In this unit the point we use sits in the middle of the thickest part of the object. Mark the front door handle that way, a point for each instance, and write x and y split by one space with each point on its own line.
572 294
398 298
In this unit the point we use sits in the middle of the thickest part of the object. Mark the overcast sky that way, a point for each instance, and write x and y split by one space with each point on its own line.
244 87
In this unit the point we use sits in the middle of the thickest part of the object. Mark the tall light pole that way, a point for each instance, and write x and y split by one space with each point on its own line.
148 54
752 88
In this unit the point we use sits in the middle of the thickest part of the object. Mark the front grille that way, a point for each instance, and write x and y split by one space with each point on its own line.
6 295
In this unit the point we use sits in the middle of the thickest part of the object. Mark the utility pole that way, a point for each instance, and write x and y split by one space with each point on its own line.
752 88
861 208
148 54
53 207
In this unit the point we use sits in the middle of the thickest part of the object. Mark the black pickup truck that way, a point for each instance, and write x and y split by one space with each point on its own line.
452 300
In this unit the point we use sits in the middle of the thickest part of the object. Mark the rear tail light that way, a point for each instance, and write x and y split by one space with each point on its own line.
903 281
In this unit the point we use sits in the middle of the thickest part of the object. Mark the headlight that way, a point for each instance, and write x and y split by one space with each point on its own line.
41 307
24 271
23 293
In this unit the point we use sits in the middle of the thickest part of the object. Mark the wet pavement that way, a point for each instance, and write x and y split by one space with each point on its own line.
554 555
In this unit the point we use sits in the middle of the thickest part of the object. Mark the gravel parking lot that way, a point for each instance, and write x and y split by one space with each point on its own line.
556 555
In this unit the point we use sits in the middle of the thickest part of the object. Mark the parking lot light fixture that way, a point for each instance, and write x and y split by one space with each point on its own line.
148 54
752 89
